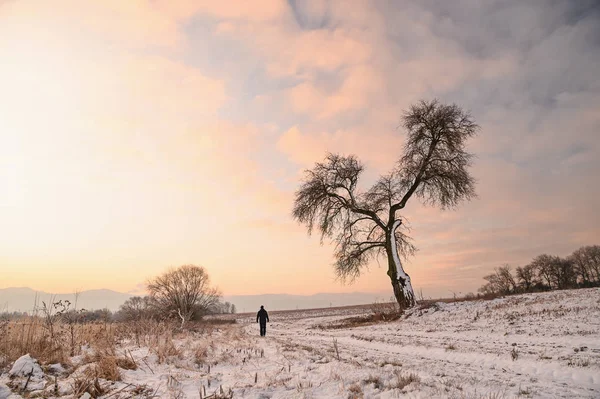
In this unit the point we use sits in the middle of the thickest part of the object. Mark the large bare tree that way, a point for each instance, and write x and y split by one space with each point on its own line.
365 225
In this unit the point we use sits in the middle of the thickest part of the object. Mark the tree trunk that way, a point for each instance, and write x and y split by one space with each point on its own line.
403 290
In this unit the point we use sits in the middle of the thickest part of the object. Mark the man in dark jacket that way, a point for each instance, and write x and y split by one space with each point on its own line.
263 317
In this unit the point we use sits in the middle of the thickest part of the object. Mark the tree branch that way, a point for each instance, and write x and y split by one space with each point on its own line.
402 203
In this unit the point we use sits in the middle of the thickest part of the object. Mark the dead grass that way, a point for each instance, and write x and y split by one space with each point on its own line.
108 369
81 385
201 354
579 362
355 392
394 363
126 363
358 321
165 348
30 335
403 380
492 395
375 380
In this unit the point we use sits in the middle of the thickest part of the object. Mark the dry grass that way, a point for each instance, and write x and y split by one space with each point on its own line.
126 363
28 335
450 347
375 380
201 354
403 380
355 392
358 321
85 383
165 348
31 335
108 369
97 342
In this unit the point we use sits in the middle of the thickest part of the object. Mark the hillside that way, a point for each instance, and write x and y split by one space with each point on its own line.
23 299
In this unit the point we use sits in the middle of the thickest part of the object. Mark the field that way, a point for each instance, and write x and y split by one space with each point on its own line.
531 345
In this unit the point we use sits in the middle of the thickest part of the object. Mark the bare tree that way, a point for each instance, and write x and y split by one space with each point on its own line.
543 267
507 278
499 282
563 273
138 308
184 292
526 277
222 308
556 272
365 225
586 261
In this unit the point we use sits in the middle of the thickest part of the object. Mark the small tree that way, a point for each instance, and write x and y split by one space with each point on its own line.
507 278
543 267
138 308
563 273
184 292
364 225
526 277
499 282
222 308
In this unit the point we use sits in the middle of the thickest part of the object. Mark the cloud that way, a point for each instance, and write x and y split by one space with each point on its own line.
142 133
306 148
135 24
360 85
257 11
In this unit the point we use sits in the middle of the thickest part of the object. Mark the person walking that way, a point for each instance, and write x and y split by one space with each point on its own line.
262 316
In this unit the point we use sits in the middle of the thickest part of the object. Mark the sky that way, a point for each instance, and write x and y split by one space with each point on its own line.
145 134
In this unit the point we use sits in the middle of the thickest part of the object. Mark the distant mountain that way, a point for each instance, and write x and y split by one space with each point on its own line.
251 303
23 299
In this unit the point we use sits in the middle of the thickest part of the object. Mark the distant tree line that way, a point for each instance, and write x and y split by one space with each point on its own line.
545 272
182 294
147 308
81 315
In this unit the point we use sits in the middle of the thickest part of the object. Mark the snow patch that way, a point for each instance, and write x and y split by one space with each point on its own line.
407 286
25 366
4 392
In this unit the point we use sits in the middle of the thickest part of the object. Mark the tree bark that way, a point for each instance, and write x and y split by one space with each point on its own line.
401 284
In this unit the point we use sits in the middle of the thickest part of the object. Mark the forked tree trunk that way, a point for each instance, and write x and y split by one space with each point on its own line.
403 290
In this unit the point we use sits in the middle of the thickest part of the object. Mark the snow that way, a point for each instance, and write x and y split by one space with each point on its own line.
401 274
4 392
24 366
26 374
532 345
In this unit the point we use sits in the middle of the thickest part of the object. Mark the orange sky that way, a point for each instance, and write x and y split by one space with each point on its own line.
138 135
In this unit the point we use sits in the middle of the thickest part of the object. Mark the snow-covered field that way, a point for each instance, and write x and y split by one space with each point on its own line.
534 345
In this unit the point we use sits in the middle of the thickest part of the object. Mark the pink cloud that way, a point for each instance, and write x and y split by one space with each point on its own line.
259 11
379 150
361 83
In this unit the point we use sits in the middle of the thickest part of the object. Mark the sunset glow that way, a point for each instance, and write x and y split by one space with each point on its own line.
139 135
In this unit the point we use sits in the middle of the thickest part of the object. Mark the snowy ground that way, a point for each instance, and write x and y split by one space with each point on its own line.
532 345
